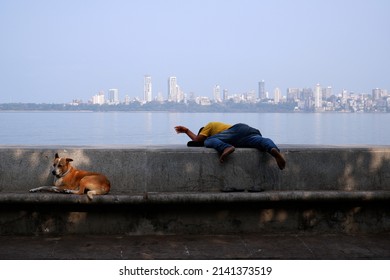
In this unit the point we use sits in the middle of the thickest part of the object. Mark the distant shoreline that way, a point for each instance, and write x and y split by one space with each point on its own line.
174 108
171 111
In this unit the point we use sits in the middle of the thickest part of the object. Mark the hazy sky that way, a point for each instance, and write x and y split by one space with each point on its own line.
56 51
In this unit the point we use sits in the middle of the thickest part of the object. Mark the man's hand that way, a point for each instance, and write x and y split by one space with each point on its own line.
181 129
194 137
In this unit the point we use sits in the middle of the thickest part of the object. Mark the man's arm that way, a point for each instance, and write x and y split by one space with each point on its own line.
193 136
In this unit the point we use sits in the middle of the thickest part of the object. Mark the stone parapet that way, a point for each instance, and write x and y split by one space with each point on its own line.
139 169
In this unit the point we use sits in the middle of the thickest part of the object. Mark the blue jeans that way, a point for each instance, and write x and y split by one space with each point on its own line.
241 136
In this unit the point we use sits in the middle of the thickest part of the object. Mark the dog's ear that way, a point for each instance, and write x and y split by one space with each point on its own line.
69 159
56 156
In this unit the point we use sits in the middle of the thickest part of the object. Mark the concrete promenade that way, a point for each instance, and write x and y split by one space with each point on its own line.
197 247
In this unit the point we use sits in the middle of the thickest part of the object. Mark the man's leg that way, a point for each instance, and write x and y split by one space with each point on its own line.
264 144
281 162
225 141
222 147
227 151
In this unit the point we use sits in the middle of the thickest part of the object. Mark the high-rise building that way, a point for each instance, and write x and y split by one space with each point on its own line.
251 96
225 94
127 99
113 96
327 92
262 94
172 89
217 93
148 88
277 95
292 94
376 93
98 98
318 96
345 94
180 96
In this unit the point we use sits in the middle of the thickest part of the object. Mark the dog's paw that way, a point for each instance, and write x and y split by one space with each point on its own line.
35 190
90 194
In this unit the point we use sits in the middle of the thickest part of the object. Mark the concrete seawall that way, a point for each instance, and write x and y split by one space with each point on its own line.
134 169
177 190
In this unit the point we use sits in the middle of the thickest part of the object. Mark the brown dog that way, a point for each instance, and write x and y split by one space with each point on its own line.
68 179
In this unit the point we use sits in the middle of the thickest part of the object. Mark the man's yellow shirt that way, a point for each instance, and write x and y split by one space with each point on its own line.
213 128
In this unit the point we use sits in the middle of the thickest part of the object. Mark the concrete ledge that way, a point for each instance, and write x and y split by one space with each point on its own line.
176 190
139 169
184 198
196 213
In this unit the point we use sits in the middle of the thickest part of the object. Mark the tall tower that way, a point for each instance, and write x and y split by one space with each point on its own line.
172 89
148 88
327 92
217 93
318 96
113 96
225 94
376 93
277 95
262 90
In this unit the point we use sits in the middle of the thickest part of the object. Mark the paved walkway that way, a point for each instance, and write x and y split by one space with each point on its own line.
246 246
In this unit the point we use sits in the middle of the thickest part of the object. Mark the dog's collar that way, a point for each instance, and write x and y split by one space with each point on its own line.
63 175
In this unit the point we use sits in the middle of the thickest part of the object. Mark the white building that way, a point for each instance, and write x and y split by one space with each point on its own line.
250 96
127 99
148 97
318 96
217 93
327 92
202 100
180 94
378 93
277 95
262 90
172 89
225 94
113 96
175 93
98 98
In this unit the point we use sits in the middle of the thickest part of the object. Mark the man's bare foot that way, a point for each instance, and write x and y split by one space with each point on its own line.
279 158
226 152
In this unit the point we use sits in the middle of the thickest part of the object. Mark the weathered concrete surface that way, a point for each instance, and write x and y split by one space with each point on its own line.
203 213
181 169
158 198
198 247
176 190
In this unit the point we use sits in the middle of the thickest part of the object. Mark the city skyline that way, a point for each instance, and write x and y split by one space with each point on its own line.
175 93
316 99
59 51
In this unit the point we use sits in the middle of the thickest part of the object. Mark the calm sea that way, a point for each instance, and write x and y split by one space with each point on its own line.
157 128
